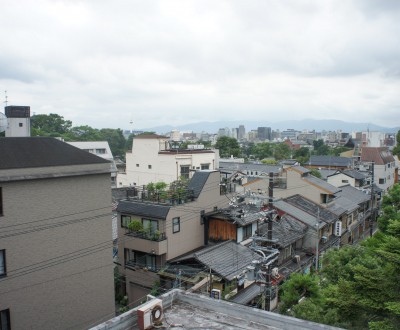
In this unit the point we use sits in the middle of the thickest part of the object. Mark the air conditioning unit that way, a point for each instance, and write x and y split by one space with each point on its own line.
297 258
275 272
324 239
150 314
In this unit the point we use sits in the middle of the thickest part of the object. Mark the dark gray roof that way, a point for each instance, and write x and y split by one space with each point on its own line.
247 294
353 194
27 152
198 181
312 208
286 231
322 184
325 172
330 161
143 209
355 174
227 259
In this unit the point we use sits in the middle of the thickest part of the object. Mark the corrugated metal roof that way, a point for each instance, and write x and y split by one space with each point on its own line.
261 168
26 152
228 259
300 169
247 294
143 209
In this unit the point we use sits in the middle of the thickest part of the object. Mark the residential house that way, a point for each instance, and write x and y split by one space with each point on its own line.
170 230
295 180
155 158
354 178
56 268
382 163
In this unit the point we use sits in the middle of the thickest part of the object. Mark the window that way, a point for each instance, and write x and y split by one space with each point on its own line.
129 256
137 165
151 225
100 151
1 202
345 181
185 171
20 125
3 270
381 181
5 319
149 167
247 231
125 221
176 225
205 166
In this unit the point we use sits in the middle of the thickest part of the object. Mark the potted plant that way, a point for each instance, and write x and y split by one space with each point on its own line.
135 226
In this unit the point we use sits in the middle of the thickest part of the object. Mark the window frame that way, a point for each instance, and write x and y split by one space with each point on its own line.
5 313
123 217
186 173
1 202
245 231
4 260
176 227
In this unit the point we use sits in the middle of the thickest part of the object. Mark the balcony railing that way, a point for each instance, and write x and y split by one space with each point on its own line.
151 236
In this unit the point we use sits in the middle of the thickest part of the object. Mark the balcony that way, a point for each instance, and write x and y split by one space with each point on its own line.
155 243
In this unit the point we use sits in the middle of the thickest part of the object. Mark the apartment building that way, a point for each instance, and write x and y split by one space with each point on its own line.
155 158
56 269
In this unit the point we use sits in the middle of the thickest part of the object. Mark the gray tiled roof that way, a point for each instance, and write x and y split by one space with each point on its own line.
353 194
341 204
286 231
355 174
326 172
143 209
301 169
227 259
198 181
330 161
312 208
28 152
299 214
322 184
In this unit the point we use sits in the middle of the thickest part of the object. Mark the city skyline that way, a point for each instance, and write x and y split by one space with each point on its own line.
158 62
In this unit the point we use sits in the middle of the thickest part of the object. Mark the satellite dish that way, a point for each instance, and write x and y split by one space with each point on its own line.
3 122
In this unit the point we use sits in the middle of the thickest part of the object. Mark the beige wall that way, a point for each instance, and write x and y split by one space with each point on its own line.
71 294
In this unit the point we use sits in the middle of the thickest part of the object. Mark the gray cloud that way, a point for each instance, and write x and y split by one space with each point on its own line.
103 64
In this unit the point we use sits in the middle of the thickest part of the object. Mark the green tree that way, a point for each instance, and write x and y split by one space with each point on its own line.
228 147
396 149
281 151
49 125
262 150
115 139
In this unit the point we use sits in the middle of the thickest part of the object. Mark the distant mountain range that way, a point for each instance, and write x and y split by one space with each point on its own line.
300 125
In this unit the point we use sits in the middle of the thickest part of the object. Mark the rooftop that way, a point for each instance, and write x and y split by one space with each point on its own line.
183 310
29 152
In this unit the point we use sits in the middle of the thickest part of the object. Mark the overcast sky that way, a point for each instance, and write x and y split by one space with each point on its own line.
105 63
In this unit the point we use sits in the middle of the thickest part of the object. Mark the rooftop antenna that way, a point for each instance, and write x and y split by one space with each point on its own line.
6 97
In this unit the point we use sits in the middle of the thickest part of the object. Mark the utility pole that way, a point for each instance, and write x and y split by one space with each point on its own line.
317 245
372 215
